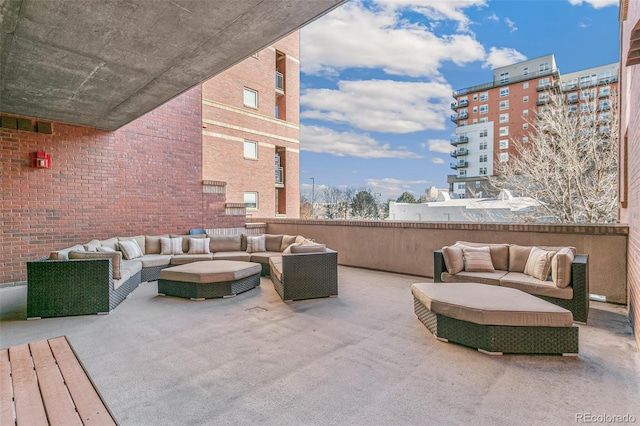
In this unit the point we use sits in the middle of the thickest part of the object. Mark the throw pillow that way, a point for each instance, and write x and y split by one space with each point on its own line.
477 259
453 258
256 244
105 250
539 263
561 267
130 249
199 246
92 245
171 245
287 240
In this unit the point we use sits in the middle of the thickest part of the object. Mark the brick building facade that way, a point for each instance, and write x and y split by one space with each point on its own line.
251 130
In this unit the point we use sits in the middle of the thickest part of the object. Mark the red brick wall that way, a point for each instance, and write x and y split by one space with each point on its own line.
228 122
630 125
145 178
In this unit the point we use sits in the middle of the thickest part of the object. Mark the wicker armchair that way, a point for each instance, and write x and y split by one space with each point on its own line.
306 275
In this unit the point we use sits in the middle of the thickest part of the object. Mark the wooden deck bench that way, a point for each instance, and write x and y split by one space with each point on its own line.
44 383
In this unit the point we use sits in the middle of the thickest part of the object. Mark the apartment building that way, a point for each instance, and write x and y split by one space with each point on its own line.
251 130
492 117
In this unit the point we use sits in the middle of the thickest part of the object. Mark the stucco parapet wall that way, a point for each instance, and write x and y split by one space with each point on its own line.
614 229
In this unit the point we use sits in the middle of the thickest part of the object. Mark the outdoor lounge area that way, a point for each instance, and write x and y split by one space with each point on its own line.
361 358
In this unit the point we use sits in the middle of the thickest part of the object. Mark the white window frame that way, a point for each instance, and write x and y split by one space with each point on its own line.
504 105
251 199
483 145
504 131
475 109
250 150
482 171
484 96
250 98
504 117
525 139
484 133
503 157
504 77
525 112
504 92
484 109
525 126
504 143
525 71
525 99
525 85
484 120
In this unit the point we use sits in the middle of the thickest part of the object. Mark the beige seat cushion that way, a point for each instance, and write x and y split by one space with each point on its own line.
275 265
499 253
212 271
490 278
181 259
263 257
532 285
154 260
489 305
232 255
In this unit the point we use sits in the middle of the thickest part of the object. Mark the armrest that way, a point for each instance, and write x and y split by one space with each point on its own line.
438 266
580 277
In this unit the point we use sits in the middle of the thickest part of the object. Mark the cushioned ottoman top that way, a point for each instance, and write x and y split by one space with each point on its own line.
490 305
210 271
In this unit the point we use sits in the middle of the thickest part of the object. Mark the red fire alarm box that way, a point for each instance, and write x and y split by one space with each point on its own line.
41 160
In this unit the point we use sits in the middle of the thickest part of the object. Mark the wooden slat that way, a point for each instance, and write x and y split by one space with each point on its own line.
88 403
57 401
29 406
6 398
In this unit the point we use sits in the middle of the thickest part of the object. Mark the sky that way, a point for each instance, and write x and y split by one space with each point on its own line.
377 78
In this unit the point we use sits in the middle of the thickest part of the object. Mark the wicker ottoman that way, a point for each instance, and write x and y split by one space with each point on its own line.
209 279
495 320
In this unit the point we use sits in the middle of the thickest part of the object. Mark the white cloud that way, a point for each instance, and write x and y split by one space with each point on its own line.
493 17
597 4
353 36
499 57
511 24
329 141
380 105
437 160
440 145
437 10
392 188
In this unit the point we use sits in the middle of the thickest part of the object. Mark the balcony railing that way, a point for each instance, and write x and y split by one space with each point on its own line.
459 140
572 100
279 176
279 82
459 152
459 165
542 101
515 79
463 103
462 116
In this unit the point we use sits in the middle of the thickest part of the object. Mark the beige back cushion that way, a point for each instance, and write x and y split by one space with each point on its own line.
273 242
112 243
114 256
539 263
477 259
225 243
140 239
92 245
152 243
499 253
287 240
561 267
453 258
518 256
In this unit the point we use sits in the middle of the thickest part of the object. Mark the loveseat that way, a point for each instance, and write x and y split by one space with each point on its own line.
95 277
556 274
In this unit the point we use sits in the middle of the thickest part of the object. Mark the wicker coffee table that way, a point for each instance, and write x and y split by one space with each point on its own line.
495 320
209 279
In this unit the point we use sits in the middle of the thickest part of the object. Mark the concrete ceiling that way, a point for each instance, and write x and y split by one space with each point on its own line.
104 63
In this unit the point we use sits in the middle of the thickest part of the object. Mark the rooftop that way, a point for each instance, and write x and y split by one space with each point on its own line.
362 358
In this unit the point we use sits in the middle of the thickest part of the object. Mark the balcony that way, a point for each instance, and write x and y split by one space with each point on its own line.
280 83
604 108
604 94
279 177
514 79
460 140
546 86
542 101
462 164
463 103
572 100
461 116
460 152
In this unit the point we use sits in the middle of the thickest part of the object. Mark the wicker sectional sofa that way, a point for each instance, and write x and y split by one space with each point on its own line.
95 277
565 283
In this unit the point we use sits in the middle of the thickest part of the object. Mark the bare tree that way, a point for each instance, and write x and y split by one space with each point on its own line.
334 199
569 164
305 207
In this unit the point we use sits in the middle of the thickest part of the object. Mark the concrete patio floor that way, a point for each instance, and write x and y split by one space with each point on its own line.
362 358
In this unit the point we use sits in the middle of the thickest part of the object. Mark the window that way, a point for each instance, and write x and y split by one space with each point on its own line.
525 126
483 145
544 67
475 109
461 186
504 143
504 118
504 105
463 123
475 97
484 120
484 133
543 82
483 158
483 171
250 149
251 200
604 105
484 96
605 91
474 121
543 96
504 157
504 77
573 108
584 107
250 98
525 112
605 77
504 131
525 85
525 139
504 92
584 94
462 173
585 80
484 109
525 99
603 130
525 71
572 97
464 112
